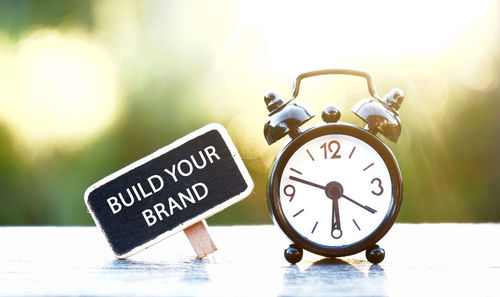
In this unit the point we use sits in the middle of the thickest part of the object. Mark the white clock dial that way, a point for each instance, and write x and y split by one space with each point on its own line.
335 190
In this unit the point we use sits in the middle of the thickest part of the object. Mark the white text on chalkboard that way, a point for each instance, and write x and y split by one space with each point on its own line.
156 182
160 209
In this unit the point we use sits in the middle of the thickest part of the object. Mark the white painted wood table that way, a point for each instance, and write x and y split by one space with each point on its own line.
421 260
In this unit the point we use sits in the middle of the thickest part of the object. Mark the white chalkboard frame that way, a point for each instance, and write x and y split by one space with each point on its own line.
236 157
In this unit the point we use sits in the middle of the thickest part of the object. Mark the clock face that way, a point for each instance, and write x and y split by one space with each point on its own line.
335 190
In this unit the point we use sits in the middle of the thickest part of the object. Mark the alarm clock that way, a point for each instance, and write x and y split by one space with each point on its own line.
335 189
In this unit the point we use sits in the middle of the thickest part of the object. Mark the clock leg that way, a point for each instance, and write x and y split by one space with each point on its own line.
293 253
375 254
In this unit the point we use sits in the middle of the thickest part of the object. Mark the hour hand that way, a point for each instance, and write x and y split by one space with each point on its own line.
366 207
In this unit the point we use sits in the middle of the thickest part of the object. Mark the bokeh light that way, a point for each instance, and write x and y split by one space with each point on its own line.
57 89
90 87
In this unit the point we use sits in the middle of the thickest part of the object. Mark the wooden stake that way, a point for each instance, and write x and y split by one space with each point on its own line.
200 239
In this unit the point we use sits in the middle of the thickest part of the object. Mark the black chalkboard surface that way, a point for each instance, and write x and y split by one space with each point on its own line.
173 188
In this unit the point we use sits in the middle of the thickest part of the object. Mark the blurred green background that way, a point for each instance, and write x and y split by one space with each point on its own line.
87 87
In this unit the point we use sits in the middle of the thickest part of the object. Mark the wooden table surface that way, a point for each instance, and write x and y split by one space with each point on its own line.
421 260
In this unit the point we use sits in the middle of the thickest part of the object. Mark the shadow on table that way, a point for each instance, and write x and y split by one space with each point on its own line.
167 277
330 276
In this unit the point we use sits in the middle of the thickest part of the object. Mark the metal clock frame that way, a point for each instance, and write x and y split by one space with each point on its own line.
273 189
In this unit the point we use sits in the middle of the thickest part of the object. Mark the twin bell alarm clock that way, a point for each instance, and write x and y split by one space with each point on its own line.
335 189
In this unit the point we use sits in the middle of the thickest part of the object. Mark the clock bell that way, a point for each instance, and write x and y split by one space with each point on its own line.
381 115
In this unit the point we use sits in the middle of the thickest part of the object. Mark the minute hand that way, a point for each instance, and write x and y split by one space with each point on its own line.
360 205
307 182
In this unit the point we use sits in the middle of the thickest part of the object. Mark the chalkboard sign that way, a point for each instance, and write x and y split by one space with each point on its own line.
175 187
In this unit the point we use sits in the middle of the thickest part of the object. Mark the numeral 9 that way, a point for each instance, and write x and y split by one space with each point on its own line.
289 191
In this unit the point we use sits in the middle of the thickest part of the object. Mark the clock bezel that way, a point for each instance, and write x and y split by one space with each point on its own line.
273 189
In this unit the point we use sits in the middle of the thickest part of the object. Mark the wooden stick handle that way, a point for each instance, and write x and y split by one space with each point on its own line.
200 239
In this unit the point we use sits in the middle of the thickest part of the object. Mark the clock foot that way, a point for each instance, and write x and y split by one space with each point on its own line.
293 253
375 254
